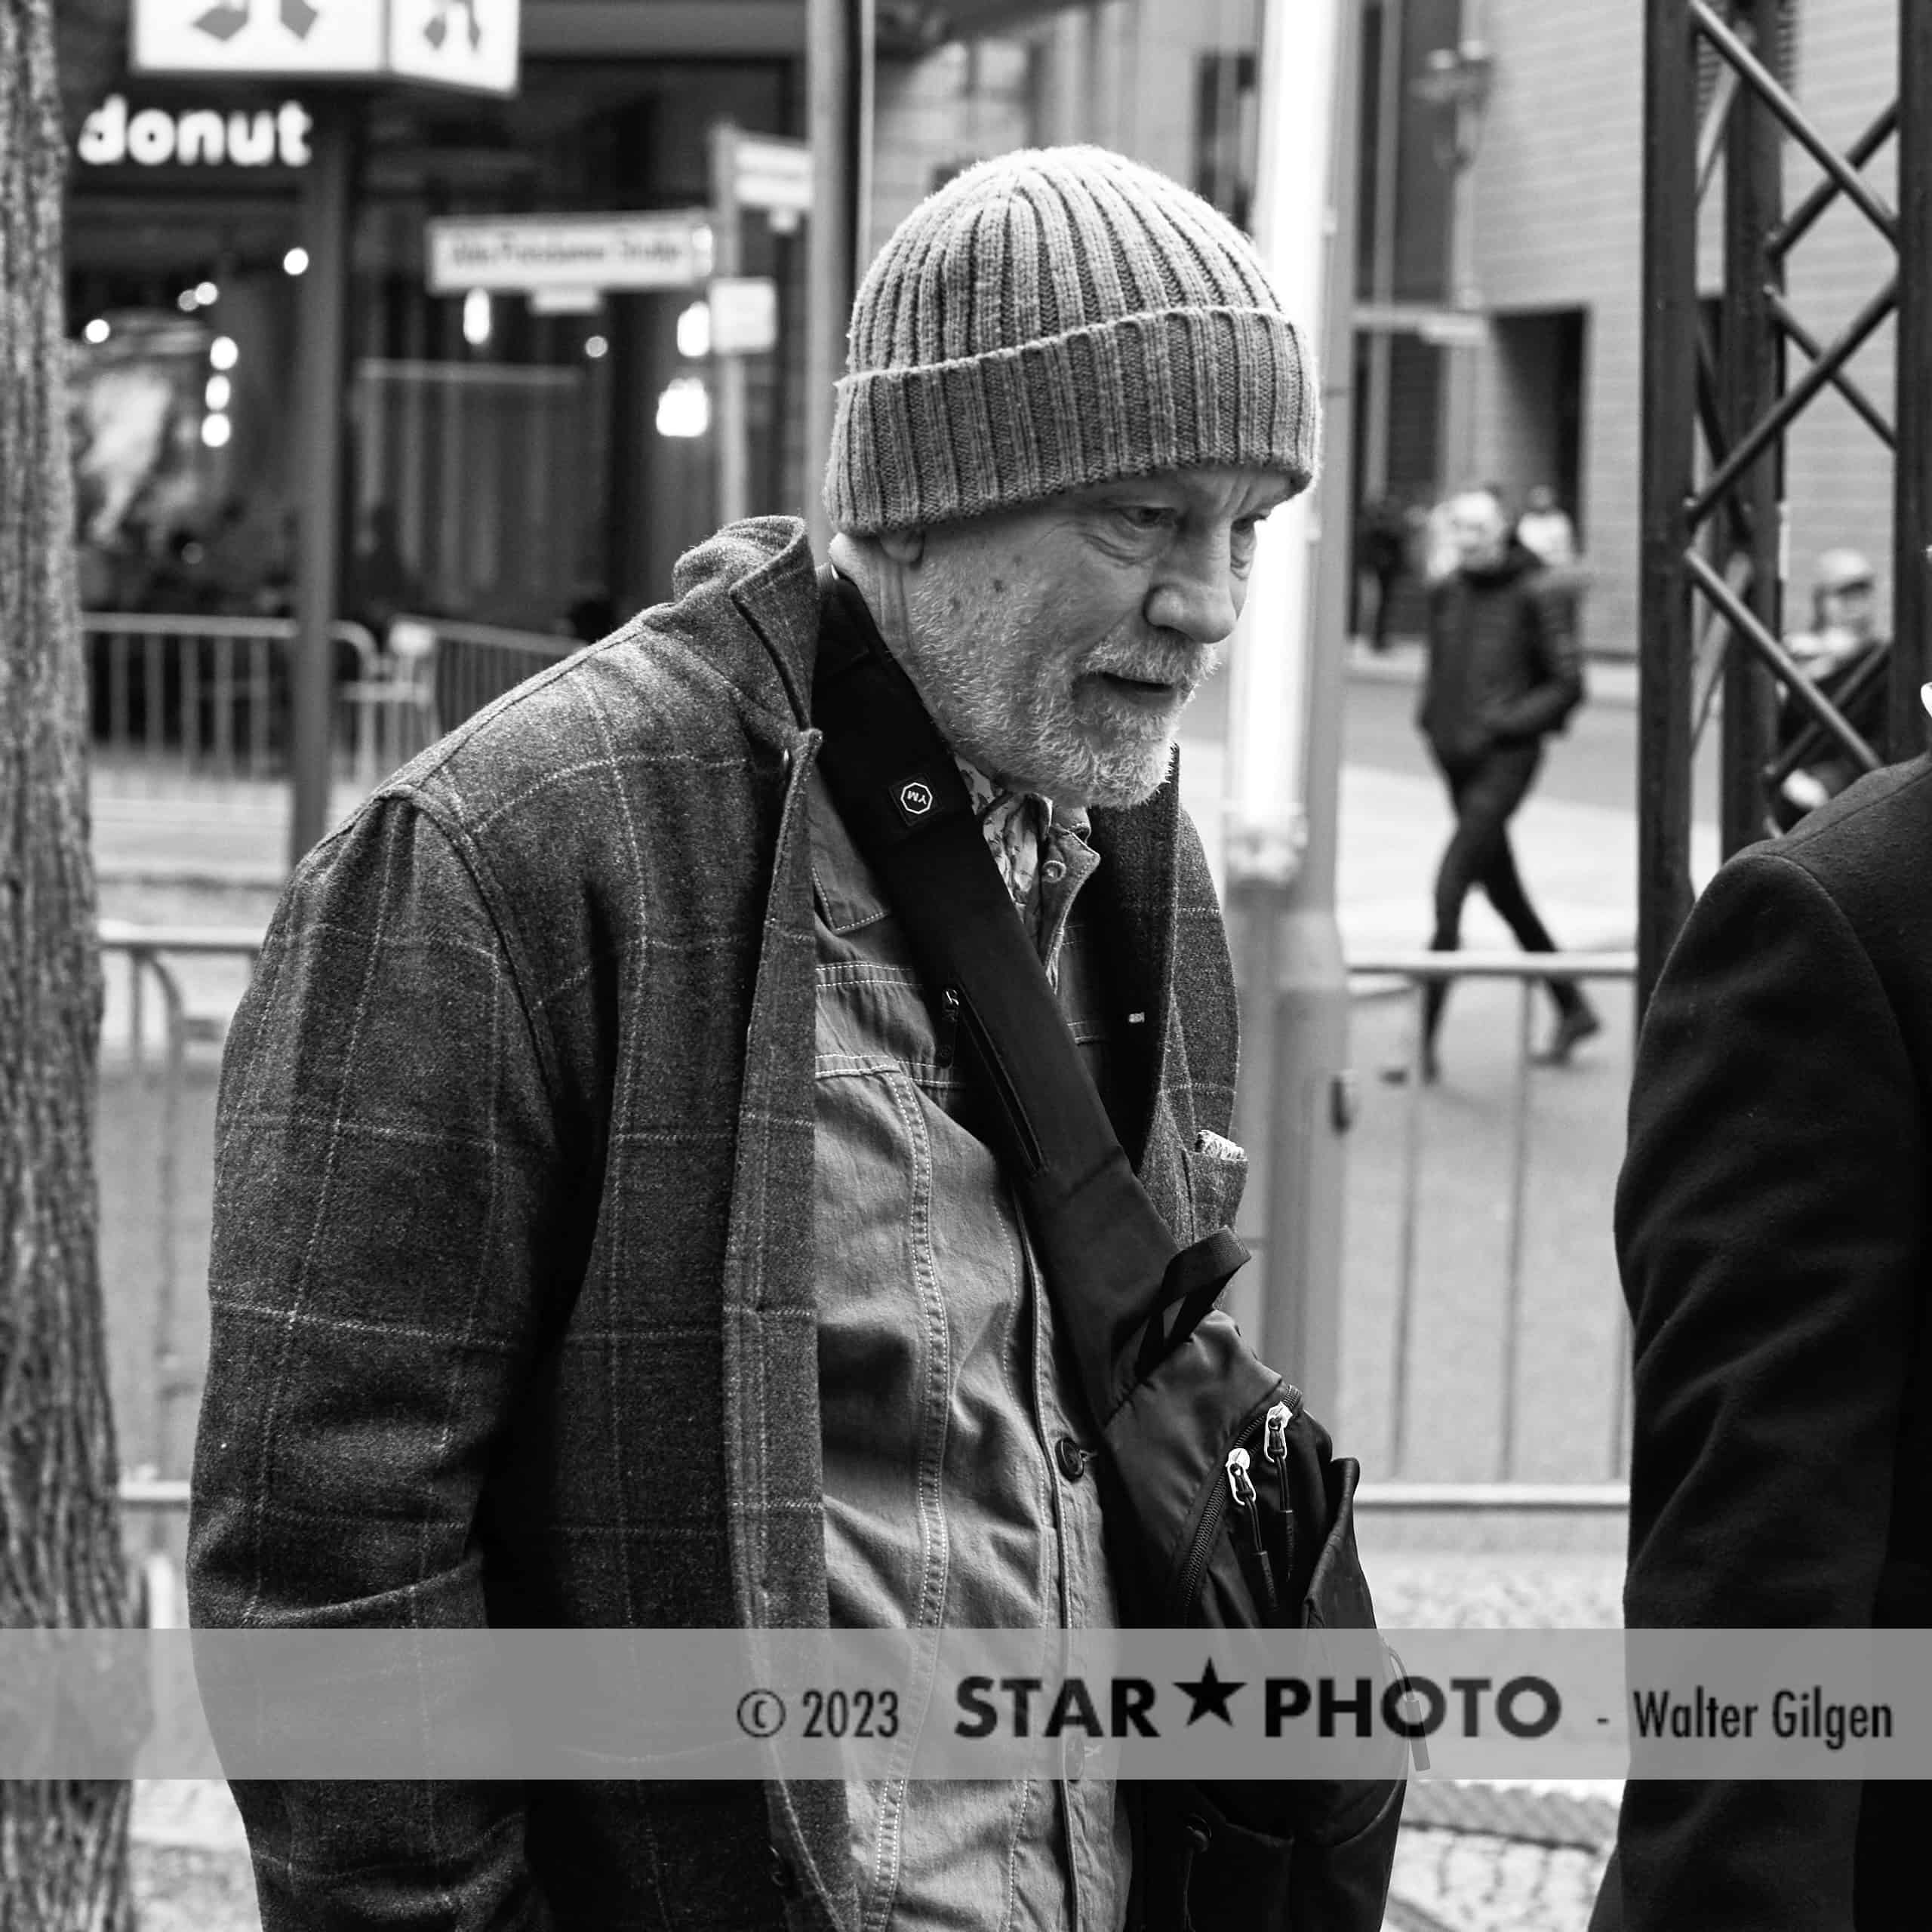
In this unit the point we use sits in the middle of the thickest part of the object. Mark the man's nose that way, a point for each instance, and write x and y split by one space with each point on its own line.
1197 594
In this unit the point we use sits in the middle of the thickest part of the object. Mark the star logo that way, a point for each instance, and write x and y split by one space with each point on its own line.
1210 1695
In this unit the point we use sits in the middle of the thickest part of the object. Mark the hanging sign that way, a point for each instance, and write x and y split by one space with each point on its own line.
744 315
529 252
772 174
470 44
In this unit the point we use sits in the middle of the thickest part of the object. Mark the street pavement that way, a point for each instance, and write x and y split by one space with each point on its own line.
1550 1327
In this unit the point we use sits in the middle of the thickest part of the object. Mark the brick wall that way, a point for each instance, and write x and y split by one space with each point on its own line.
1559 213
1558 219
1838 476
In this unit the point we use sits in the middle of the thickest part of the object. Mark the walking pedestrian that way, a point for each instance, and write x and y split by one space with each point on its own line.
1504 673
1775 1243
601 1237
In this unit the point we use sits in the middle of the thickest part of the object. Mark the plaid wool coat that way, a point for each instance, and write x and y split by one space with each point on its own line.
511 1321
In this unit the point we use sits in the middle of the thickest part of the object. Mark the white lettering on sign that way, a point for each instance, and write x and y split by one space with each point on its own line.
667 250
154 137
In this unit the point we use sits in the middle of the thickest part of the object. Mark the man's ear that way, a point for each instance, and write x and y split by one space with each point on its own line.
905 547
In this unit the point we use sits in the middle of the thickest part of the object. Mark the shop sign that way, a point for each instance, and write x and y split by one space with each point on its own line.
744 315
466 43
773 174
528 252
471 45
1450 329
113 135
239 37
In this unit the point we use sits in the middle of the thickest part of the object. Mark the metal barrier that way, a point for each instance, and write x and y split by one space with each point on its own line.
147 950
433 673
477 663
153 1490
202 697
208 697
1528 970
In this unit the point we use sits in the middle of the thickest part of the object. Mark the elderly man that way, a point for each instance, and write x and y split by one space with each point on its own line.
601 1238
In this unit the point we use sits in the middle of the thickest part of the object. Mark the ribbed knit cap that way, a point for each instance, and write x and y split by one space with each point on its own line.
1053 318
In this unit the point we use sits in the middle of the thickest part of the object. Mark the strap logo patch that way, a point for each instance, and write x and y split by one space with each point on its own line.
915 798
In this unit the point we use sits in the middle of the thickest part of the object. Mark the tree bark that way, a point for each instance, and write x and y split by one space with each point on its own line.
63 1862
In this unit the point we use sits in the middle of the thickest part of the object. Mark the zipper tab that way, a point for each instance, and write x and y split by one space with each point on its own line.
1274 1442
1240 1483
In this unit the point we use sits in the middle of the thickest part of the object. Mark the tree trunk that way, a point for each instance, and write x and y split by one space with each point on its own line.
63 1863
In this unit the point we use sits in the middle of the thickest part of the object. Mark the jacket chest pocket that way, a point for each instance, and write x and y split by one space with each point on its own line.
1216 1174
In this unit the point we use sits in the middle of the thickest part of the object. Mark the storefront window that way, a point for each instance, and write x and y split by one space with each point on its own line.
511 455
540 459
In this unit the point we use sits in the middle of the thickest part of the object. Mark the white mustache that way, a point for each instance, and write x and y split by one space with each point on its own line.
1187 675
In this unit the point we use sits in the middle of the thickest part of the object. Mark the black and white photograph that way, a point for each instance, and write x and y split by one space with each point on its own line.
965 965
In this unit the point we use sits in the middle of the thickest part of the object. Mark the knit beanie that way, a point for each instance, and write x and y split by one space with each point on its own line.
1054 318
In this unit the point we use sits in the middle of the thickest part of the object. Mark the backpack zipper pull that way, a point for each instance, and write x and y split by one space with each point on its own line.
1241 1485
1275 1447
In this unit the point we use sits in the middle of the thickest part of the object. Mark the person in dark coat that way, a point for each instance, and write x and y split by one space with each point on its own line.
1845 655
601 1239
1773 1226
1504 673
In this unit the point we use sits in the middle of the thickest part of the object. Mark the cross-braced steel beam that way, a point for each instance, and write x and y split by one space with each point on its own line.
1718 413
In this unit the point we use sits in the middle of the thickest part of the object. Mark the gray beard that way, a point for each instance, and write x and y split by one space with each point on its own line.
1017 734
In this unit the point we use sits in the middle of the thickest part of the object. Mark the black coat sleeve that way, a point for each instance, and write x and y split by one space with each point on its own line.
1548 615
1771 1231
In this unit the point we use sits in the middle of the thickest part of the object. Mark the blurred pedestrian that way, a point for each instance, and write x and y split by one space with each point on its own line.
1774 1239
602 1237
1440 555
1844 656
383 586
1504 673
1382 544
1545 529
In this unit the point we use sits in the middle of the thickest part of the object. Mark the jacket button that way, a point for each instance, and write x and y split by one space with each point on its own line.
783 1875
1071 1457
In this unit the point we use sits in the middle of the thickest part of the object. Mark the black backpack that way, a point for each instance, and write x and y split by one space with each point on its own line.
1224 1504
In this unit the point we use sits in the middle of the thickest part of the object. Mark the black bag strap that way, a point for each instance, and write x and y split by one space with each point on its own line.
1112 1265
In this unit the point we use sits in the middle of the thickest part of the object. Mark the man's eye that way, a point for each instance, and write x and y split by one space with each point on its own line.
1145 516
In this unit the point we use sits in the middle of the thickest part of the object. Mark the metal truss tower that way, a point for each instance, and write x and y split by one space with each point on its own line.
1719 404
